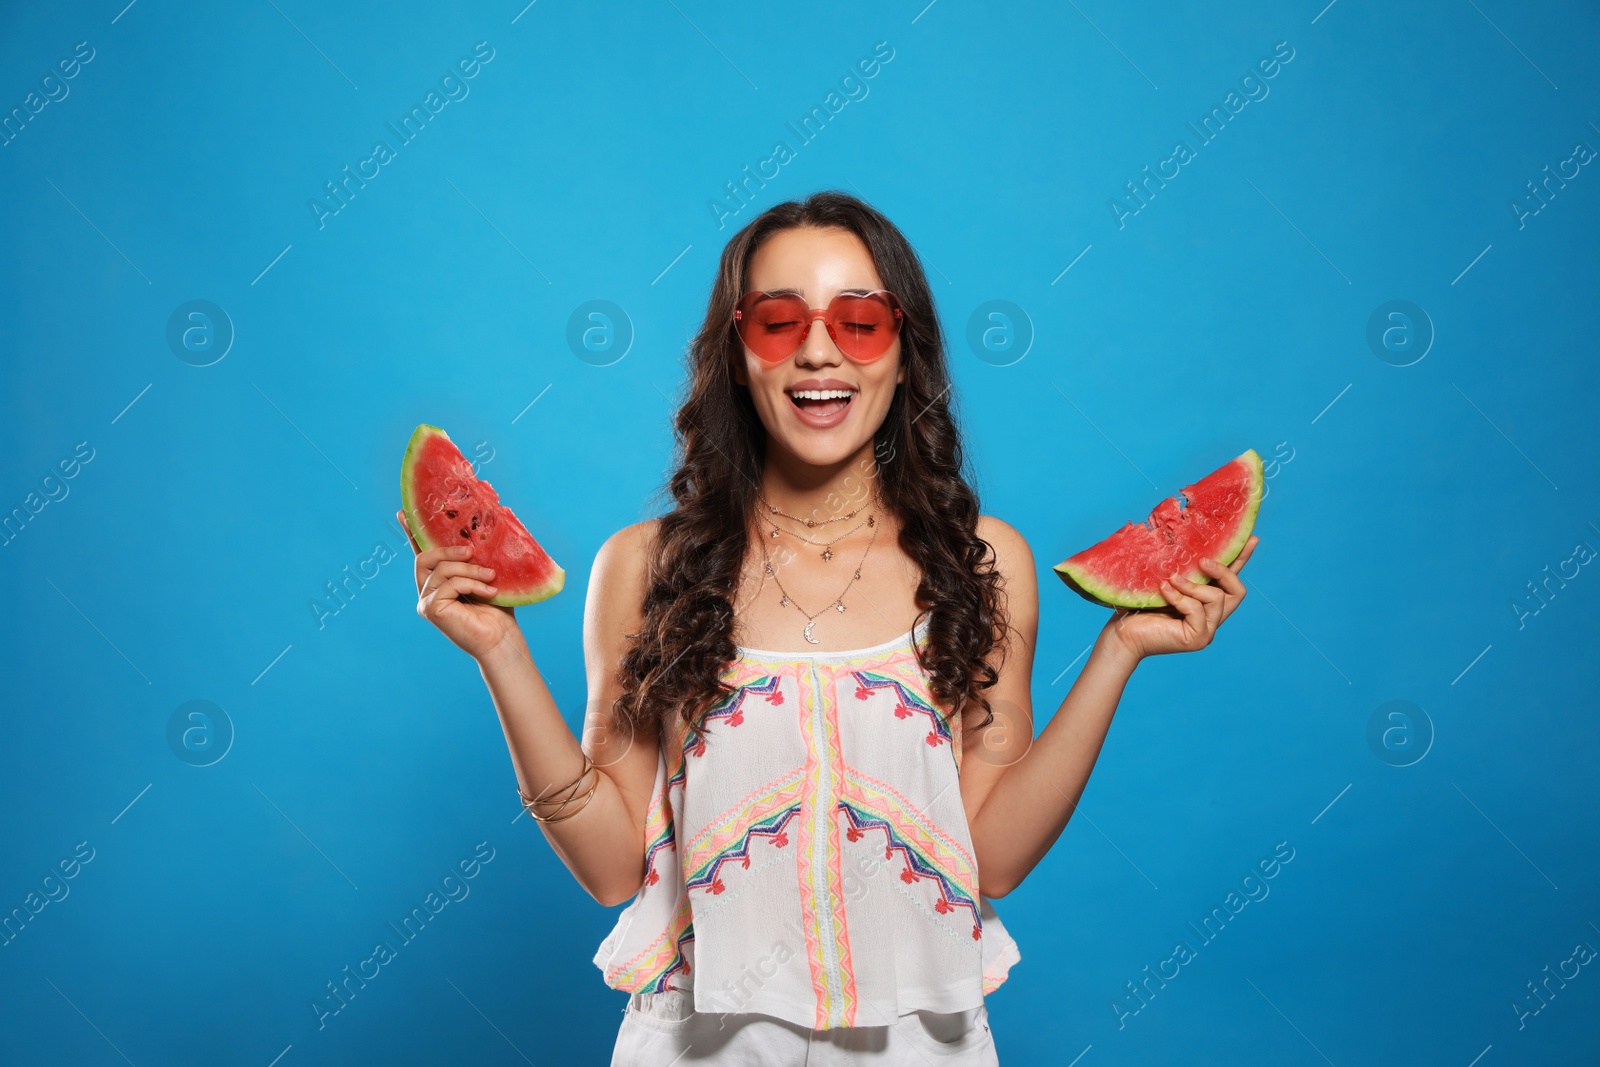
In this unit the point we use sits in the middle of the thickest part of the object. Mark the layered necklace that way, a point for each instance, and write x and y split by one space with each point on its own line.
827 554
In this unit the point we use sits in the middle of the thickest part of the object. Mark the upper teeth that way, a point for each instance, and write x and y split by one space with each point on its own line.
822 394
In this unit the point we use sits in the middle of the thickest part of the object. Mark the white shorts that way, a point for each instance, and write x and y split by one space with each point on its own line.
663 1028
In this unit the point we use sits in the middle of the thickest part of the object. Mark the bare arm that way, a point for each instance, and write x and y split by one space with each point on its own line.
1019 791
1020 797
603 844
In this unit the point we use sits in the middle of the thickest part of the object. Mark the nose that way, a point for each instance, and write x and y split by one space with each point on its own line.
818 349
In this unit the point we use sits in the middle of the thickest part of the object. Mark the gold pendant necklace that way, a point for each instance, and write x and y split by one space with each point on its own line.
837 602
811 522
827 552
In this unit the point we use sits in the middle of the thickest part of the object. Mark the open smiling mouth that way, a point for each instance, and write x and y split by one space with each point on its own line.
821 403
821 408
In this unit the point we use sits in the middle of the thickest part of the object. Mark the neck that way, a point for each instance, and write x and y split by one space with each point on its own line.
813 491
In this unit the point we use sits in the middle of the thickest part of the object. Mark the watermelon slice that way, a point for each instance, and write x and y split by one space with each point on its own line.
1212 517
447 504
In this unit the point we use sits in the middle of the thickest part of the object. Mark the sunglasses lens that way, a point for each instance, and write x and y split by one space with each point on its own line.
772 328
863 326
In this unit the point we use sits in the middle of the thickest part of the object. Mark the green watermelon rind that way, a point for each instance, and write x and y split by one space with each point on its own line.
408 501
1106 595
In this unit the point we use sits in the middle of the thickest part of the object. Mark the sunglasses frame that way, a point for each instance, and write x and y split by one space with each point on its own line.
823 313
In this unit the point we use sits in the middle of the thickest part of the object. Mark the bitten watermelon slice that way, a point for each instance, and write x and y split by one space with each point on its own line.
1213 518
447 504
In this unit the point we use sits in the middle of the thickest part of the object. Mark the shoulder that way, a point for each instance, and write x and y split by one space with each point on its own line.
629 547
1010 547
1013 561
619 578
622 565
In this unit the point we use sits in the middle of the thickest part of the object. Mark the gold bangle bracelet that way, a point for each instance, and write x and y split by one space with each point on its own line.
566 795
563 796
583 802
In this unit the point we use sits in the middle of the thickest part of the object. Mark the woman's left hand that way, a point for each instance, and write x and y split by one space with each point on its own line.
1193 616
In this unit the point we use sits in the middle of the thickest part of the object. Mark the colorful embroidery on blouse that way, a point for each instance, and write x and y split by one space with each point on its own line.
920 864
908 702
731 708
658 835
765 815
912 825
650 970
821 878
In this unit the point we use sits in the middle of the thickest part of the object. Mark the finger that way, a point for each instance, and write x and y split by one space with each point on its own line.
1226 577
1249 548
427 561
441 592
434 598
471 587
451 569
1213 598
1193 611
1198 590
406 526
458 569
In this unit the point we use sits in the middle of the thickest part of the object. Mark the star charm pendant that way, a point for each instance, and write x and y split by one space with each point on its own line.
784 602
827 553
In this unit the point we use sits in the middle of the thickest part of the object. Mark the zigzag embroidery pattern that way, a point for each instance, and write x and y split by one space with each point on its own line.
731 707
772 827
679 962
951 895
662 840
907 702
668 953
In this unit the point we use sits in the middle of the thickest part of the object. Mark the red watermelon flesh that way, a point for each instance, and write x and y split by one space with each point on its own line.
1214 518
447 504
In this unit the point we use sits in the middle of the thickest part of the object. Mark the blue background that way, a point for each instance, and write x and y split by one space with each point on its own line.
1409 507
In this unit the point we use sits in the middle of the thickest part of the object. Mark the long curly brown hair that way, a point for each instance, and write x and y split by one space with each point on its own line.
687 636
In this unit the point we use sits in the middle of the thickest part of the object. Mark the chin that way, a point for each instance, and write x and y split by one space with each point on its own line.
822 453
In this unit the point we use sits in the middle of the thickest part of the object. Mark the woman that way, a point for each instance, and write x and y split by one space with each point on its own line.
797 801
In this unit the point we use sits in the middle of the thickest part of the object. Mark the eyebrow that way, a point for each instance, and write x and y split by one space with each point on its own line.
796 292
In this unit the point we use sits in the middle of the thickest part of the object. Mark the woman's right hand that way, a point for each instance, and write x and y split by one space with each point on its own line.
444 577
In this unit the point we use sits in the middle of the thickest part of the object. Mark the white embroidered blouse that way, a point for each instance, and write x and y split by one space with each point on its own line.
808 855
